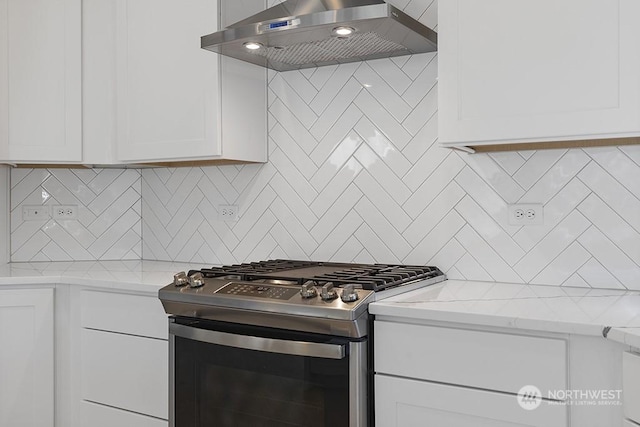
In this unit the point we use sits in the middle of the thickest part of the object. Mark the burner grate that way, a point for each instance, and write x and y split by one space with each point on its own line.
247 270
378 277
375 277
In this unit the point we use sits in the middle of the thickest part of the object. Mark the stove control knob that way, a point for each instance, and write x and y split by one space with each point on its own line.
180 279
327 293
349 294
309 290
196 280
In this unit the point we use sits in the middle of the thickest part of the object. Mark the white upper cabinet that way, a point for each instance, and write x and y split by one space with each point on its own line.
40 81
176 101
103 82
99 82
514 71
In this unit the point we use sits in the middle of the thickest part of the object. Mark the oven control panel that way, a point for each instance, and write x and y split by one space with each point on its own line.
258 290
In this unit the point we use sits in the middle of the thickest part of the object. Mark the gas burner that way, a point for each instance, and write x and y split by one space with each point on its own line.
373 277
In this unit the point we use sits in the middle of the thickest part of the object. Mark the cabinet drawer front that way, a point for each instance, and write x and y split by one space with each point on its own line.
126 372
128 314
95 415
486 360
631 385
411 403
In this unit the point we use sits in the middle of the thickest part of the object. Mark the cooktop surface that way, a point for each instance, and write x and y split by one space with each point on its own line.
373 277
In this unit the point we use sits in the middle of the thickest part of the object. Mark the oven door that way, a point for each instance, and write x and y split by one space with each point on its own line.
234 375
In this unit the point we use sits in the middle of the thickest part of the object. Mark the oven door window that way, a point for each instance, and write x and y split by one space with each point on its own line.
220 385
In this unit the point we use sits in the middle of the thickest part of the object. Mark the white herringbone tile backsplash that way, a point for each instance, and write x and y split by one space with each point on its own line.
355 174
108 226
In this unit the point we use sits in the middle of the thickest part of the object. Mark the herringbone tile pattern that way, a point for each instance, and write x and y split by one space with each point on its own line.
355 174
108 226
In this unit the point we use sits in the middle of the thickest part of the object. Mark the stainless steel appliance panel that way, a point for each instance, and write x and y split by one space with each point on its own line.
243 376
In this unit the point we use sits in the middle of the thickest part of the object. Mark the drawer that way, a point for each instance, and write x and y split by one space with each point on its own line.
125 371
401 402
129 314
487 360
631 385
95 415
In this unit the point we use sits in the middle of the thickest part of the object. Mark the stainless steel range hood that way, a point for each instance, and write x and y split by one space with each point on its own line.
310 33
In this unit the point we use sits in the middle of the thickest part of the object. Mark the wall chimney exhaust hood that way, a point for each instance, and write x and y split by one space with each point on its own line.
311 33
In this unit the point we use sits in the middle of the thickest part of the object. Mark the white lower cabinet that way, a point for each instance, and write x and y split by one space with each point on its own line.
138 315
481 359
125 371
402 402
26 358
123 360
450 376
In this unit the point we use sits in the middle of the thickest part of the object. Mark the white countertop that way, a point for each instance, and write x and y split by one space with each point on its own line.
583 311
139 276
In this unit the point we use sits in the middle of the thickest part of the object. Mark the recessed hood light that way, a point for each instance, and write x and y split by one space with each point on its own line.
252 45
314 33
343 31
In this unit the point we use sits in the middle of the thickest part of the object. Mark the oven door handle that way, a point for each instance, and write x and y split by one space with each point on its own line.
271 345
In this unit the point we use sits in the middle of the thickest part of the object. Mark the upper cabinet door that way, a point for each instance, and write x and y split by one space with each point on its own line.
167 85
40 81
545 70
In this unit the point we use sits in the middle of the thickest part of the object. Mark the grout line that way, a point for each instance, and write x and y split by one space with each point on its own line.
492 249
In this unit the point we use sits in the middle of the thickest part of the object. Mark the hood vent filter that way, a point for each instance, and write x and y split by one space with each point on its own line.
331 49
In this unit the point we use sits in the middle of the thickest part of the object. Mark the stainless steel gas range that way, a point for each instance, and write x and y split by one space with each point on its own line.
277 343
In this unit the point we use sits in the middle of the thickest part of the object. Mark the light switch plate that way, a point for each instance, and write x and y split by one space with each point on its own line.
35 213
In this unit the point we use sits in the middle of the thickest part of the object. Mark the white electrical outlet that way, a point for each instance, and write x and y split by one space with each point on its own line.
526 214
228 212
35 213
65 212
